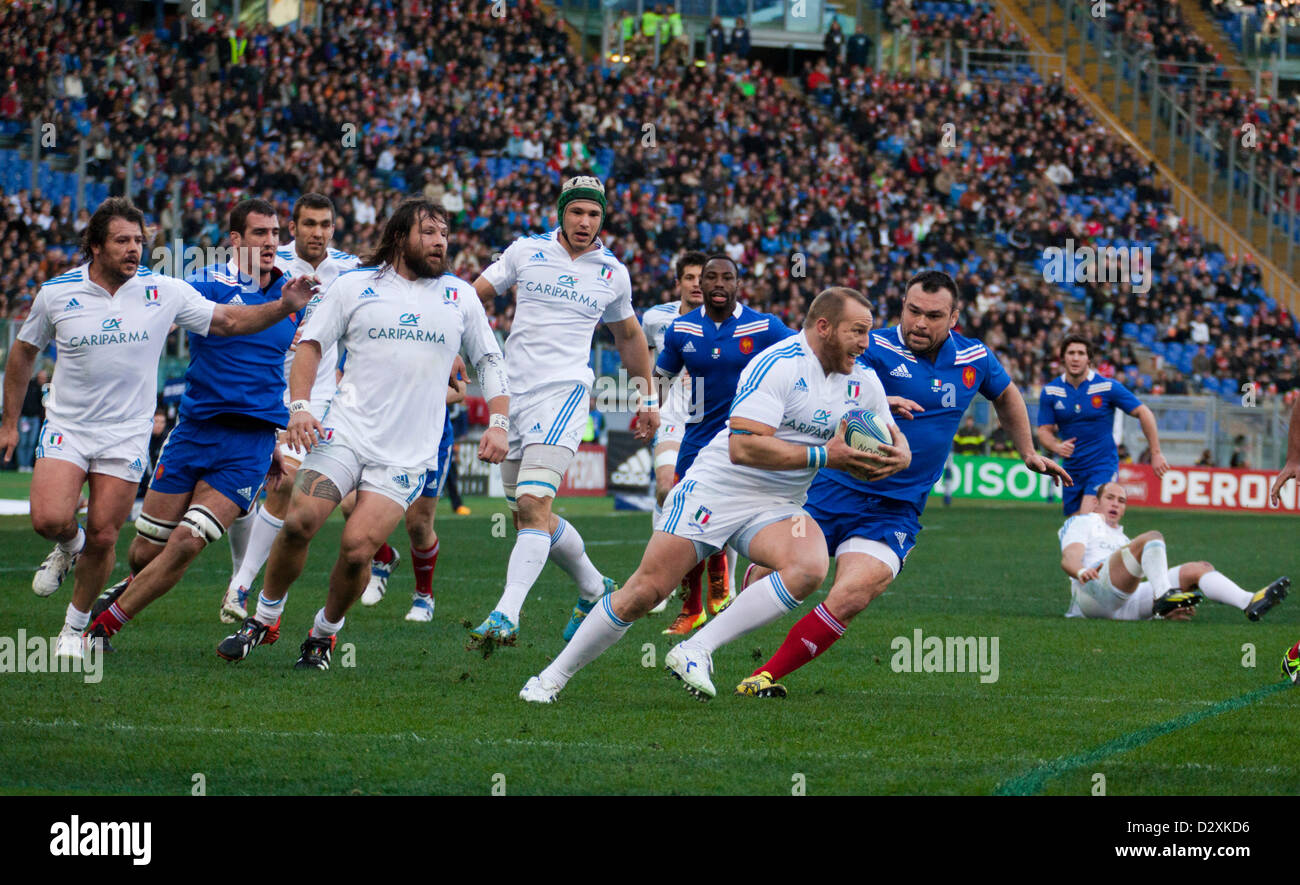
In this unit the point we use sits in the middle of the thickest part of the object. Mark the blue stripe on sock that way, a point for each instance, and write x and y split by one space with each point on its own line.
559 531
782 594
609 612
546 535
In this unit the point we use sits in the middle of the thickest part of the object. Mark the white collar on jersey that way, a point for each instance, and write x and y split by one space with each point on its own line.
600 246
235 274
735 315
1092 373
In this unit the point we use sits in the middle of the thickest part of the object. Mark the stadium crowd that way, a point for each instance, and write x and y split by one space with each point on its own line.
853 187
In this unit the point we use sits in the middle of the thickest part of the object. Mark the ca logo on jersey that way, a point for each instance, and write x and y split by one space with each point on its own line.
409 319
112 324
566 280
821 416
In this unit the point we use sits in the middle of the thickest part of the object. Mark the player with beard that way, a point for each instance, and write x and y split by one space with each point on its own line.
566 282
932 375
214 462
307 253
747 488
110 319
402 320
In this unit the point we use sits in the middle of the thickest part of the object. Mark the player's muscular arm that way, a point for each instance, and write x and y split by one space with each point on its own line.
753 444
486 291
244 319
1072 563
1147 419
1047 436
632 347
456 384
1013 415
18 373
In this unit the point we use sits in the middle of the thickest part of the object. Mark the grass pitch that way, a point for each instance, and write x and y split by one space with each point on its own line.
1156 707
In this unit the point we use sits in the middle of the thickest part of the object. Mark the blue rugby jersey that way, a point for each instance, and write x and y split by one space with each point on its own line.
962 367
1086 413
715 355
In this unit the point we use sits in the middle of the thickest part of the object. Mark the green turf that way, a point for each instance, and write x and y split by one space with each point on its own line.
1156 707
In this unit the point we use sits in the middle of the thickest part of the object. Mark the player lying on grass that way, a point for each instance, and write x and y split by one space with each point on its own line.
747 488
1106 569
931 375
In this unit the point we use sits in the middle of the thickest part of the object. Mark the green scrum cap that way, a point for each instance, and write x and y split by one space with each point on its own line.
582 187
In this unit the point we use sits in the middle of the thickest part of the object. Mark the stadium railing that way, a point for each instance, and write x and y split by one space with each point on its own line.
1185 151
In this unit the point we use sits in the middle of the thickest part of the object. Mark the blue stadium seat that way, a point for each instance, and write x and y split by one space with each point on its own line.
1147 335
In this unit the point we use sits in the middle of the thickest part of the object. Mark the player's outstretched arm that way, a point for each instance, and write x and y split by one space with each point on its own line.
245 319
1072 564
632 347
1290 470
1148 420
1014 417
18 374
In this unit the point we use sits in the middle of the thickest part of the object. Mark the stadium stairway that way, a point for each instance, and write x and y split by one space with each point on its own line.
1199 199
1200 22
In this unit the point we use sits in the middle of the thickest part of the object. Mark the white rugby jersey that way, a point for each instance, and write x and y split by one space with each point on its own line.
654 322
1098 539
558 302
291 264
785 387
106 374
401 337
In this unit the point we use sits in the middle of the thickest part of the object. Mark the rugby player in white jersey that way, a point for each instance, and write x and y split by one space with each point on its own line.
251 536
402 319
1106 571
566 283
110 318
747 487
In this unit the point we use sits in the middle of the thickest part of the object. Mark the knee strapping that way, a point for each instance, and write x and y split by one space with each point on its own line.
510 479
155 531
541 470
203 523
1130 562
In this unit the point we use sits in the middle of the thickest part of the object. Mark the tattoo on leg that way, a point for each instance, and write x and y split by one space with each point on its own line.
318 485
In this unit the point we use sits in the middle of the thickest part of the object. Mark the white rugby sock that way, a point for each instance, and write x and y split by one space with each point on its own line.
238 534
1219 587
570 553
323 627
268 612
73 545
599 631
257 547
1156 566
75 620
732 555
527 560
763 602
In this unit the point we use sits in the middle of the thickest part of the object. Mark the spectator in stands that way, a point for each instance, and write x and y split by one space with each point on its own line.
739 42
834 43
30 419
1206 459
716 39
969 440
1239 458
858 52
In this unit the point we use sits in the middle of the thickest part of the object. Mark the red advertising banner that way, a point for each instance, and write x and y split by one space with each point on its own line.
586 475
1204 488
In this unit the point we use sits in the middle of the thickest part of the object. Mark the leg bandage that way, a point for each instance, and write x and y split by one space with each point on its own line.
541 470
203 523
1130 562
155 531
510 479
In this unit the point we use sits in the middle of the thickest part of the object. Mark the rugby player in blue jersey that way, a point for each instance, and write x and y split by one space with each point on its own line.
1080 404
931 374
713 343
213 464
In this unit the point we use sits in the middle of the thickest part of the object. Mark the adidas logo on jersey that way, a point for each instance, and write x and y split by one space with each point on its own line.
536 428
368 293
901 372
236 299
402 481
537 256
74 304
1059 405
137 466
801 385
246 493
689 348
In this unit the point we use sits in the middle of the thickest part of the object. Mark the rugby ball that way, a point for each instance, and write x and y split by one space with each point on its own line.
865 431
